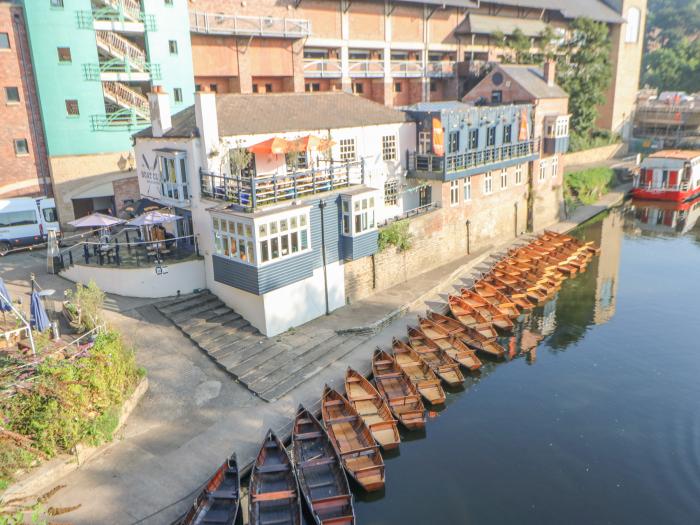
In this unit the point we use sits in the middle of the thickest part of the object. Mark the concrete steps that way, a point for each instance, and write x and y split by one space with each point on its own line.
269 367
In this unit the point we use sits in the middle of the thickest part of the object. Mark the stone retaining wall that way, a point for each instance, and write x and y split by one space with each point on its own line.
593 155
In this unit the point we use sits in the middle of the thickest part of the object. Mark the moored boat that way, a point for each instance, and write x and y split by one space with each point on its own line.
398 391
322 479
468 316
500 300
352 440
220 499
420 374
372 408
451 344
485 308
442 364
273 491
468 335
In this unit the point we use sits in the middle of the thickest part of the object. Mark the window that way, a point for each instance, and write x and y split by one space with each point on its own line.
424 142
177 93
358 88
433 86
633 20
56 3
4 41
496 97
362 213
64 56
543 169
347 218
467 189
474 139
504 179
312 86
50 215
519 174
453 142
173 183
454 192
277 238
21 147
491 136
507 134
234 239
389 147
268 88
488 183
214 88
169 3
391 193
347 150
397 87
255 88
172 47
11 94
555 167
17 218
72 108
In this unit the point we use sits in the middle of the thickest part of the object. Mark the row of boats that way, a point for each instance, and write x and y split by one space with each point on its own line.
364 420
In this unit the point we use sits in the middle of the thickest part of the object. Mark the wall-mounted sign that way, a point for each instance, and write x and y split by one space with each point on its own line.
150 175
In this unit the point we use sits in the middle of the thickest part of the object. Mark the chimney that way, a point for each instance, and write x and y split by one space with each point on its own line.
207 120
550 72
159 105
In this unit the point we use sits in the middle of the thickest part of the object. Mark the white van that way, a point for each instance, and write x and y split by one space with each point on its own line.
25 221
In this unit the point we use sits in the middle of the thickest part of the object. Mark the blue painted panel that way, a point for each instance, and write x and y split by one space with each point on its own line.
331 230
235 274
556 145
363 245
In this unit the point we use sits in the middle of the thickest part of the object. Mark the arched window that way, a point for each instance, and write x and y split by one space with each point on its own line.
634 16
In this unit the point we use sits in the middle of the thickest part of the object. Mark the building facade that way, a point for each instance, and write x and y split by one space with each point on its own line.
396 52
280 191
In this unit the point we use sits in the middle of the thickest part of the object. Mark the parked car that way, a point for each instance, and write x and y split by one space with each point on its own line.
25 221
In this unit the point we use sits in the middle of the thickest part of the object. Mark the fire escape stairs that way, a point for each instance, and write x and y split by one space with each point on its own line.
122 49
129 8
125 97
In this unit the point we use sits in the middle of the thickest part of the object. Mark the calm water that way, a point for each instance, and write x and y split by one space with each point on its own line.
601 424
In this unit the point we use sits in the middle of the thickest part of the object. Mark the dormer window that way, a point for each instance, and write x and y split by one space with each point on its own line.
358 212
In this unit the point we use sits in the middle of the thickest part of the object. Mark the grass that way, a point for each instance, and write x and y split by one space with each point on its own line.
587 186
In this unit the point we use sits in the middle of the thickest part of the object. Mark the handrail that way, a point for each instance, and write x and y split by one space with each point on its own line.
223 24
114 42
406 68
129 7
127 96
322 67
366 67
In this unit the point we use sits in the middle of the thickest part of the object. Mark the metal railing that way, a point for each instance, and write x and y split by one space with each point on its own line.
221 24
683 186
121 47
254 192
322 68
441 68
132 8
86 19
406 68
125 96
366 68
462 161
118 121
420 210
94 71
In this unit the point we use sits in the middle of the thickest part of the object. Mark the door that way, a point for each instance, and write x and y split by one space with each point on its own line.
424 196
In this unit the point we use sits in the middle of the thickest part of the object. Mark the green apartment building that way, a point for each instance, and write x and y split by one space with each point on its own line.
95 62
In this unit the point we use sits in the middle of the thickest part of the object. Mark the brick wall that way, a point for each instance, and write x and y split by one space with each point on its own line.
125 189
21 174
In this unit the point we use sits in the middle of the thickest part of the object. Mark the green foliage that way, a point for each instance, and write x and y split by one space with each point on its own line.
587 186
71 401
396 234
596 139
85 306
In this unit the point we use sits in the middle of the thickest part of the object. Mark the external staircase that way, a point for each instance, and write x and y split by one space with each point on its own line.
268 366
122 49
129 8
122 95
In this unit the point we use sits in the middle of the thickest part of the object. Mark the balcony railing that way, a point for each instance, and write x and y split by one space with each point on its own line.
220 24
452 163
441 68
124 119
94 71
366 68
322 68
88 19
254 192
651 187
406 68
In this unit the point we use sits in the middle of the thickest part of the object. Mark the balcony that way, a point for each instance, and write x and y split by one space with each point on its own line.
121 71
441 68
265 26
254 192
322 68
406 68
107 19
122 120
457 165
366 68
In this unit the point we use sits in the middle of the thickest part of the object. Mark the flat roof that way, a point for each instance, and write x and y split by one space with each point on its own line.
487 25
681 154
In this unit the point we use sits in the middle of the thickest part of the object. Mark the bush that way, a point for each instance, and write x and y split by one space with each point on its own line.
85 306
596 139
396 234
587 186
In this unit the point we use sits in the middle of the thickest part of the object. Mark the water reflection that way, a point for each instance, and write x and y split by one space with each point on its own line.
666 219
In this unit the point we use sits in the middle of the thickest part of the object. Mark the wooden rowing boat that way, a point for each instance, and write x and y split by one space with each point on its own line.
420 374
322 479
273 491
442 364
471 337
485 308
220 499
352 440
398 391
534 292
490 292
451 344
372 408
468 316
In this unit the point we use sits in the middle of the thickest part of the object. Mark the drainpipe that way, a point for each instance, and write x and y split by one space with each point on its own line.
468 236
322 205
516 218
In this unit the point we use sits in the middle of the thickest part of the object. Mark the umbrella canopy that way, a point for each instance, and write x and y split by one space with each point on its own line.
276 145
154 217
39 319
4 296
96 220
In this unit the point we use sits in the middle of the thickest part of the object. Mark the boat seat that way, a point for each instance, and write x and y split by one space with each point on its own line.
332 501
321 484
309 435
224 494
392 375
367 397
273 496
333 403
382 362
316 462
273 468
371 448
304 421
344 419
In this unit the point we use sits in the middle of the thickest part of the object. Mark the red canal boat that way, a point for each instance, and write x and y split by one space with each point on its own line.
669 175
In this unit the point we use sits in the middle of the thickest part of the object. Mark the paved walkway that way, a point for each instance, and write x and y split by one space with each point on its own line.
194 415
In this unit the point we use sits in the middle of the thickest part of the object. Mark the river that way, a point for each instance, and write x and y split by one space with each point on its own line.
599 424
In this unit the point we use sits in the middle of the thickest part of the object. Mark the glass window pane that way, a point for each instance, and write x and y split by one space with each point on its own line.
217 244
234 248
240 228
295 242
358 223
273 227
346 206
249 231
356 206
283 225
293 223
304 239
371 202
242 251
216 223
224 242
346 224
251 252
285 244
302 220
263 230
364 204
274 248
264 255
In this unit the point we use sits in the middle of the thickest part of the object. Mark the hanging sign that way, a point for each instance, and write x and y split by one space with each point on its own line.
438 138
524 133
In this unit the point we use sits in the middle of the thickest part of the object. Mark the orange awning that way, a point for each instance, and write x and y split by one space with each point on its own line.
274 145
279 145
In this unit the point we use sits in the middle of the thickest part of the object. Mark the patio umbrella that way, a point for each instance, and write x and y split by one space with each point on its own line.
4 297
154 217
38 316
96 220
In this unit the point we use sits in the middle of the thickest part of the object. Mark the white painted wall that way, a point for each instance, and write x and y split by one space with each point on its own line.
248 305
184 277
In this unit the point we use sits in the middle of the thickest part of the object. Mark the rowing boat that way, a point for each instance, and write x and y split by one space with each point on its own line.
398 391
451 344
471 337
485 308
420 374
220 499
322 479
274 491
468 316
534 292
372 408
497 298
442 364
352 440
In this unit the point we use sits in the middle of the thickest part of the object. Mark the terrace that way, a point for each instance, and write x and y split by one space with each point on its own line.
264 26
